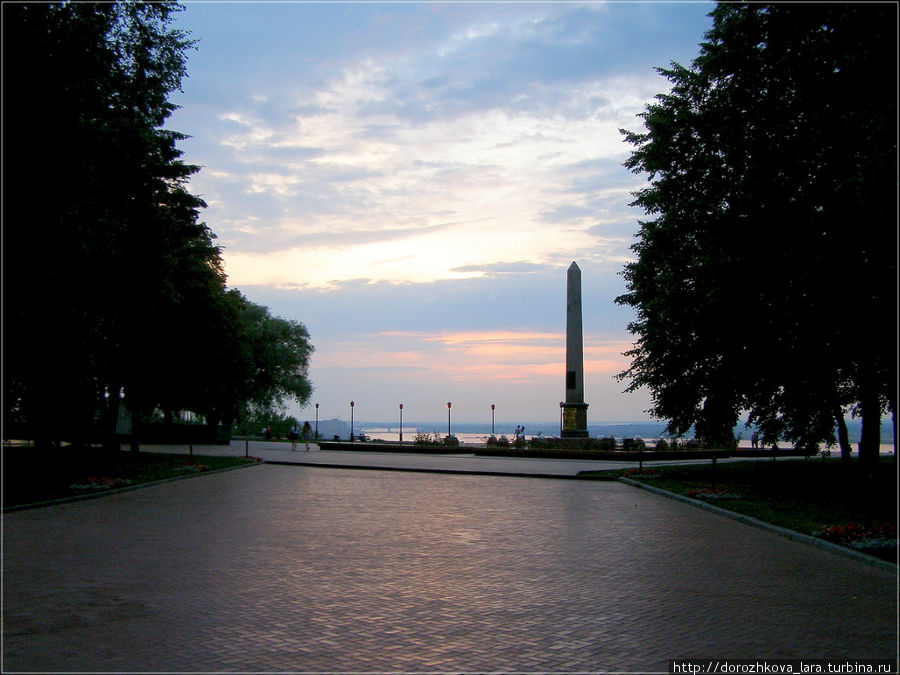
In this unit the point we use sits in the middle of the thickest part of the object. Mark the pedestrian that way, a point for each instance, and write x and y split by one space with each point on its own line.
294 434
307 431
754 439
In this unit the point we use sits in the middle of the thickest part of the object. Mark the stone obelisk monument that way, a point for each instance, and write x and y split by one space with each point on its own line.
574 409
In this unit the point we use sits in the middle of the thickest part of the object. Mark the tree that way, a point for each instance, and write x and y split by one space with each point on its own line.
272 360
111 283
771 164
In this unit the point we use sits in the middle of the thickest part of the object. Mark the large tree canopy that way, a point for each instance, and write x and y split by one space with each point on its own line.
766 279
112 284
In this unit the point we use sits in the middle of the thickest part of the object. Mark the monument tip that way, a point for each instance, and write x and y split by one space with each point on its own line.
573 265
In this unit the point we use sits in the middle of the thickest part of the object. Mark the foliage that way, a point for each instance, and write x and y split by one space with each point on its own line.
424 438
112 284
639 473
771 161
850 533
711 494
108 236
608 443
252 424
269 361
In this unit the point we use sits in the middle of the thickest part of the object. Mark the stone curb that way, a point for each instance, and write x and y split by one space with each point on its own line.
793 535
456 472
127 488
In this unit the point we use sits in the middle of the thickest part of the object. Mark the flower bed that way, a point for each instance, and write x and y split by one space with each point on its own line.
194 467
711 494
640 473
103 483
875 539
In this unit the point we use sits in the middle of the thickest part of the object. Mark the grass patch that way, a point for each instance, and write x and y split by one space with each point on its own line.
801 495
31 475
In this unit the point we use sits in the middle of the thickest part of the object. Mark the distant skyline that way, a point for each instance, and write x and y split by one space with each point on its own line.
411 181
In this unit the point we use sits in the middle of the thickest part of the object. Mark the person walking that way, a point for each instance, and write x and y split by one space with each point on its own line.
307 431
294 434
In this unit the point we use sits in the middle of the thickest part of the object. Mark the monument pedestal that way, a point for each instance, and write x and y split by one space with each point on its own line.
574 420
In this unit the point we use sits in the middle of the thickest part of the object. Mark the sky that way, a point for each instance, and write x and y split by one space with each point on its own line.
411 181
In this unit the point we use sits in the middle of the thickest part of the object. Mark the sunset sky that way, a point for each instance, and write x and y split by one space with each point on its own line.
411 181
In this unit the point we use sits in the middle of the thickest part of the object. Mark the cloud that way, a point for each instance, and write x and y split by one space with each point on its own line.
521 297
491 128
412 180
498 337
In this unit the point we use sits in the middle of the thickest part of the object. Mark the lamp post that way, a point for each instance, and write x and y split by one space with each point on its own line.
401 422
449 405
317 421
561 403
351 421
492 418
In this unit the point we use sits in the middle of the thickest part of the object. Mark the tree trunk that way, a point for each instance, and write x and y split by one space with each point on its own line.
870 436
113 405
135 429
843 437
894 420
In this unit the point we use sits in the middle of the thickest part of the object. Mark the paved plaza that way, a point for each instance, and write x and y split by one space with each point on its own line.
302 568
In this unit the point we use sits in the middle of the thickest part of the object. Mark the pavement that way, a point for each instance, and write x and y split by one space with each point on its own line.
279 568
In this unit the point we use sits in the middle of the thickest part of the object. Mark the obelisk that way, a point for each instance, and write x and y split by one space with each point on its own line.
574 409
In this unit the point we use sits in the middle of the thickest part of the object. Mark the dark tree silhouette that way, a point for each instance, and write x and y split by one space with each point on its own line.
112 284
766 279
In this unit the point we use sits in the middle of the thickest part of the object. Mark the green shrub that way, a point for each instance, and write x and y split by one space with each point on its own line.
424 438
661 445
450 440
608 443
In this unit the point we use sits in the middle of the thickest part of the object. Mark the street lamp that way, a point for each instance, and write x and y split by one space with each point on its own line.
560 418
449 405
401 422
492 418
317 420
351 421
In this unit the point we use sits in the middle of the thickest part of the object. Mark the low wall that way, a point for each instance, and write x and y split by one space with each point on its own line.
552 453
370 446
607 455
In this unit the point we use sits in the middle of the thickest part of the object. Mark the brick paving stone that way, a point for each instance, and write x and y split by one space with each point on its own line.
286 569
